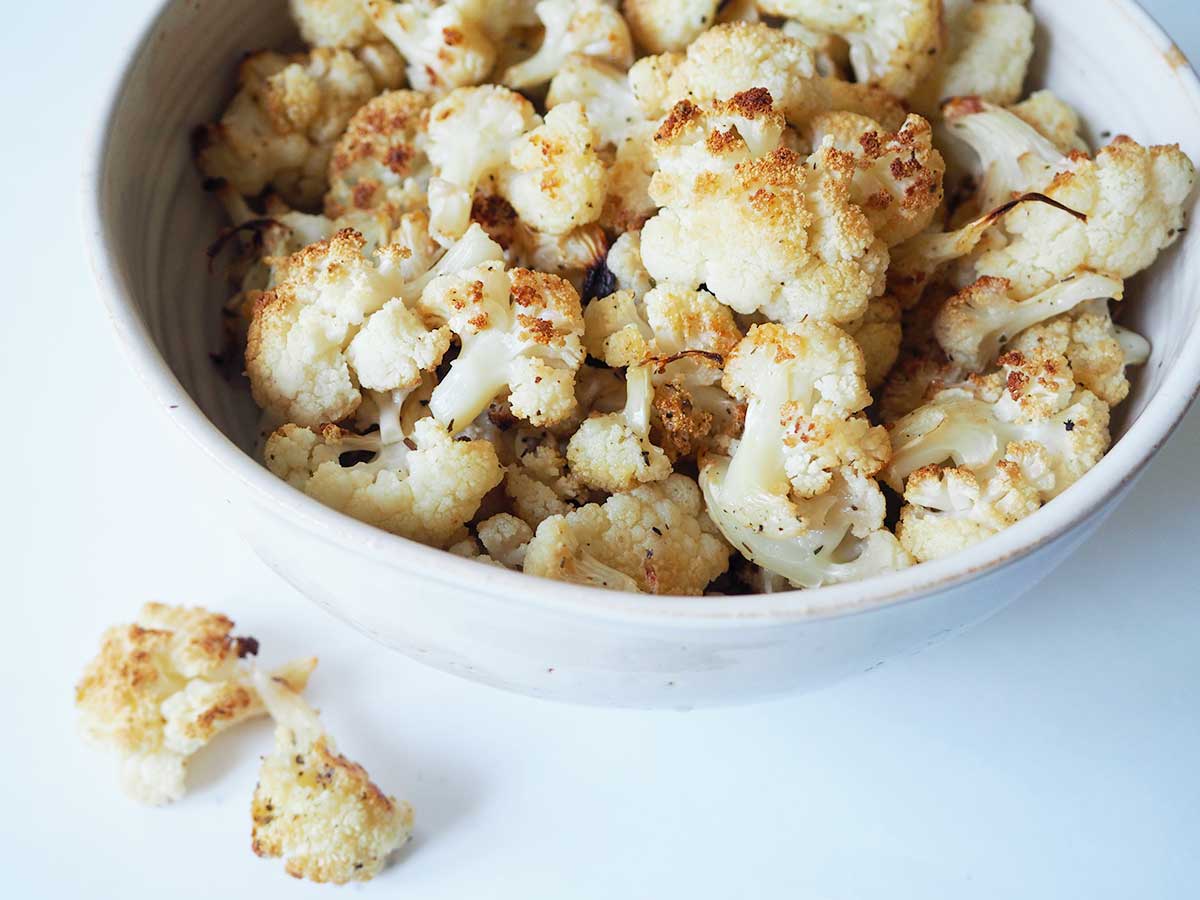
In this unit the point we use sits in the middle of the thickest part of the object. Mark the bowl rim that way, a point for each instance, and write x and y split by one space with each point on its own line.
1117 470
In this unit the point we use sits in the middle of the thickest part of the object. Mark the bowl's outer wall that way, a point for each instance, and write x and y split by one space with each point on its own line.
159 223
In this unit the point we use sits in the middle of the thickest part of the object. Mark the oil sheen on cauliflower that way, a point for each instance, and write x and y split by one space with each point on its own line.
654 539
163 687
315 808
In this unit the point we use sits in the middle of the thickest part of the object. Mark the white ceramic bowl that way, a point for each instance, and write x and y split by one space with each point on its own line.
148 222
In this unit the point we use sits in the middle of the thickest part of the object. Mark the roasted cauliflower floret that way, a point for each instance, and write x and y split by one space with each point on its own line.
588 27
1054 120
555 179
604 92
379 163
314 807
334 23
1133 198
660 26
519 330
949 509
897 178
312 341
765 230
444 43
878 334
539 483
654 539
803 439
163 687
987 53
280 127
894 44
425 494
1031 401
624 262
974 326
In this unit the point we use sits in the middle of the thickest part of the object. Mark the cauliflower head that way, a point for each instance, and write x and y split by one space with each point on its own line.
764 229
519 330
314 807
163 687
654 539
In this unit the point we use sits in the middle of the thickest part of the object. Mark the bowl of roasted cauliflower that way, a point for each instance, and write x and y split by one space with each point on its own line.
649 353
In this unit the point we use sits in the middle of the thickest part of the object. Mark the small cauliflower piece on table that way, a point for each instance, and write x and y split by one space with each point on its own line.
279 130
445 44
764 229
162 688
520 331
797 497
1031 403
379 163
426 493
588 27
894 44
653 539
315 808
988 48
897 176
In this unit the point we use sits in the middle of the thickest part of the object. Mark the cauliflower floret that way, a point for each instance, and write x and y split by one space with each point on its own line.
379 163
313 330
1133 199
624 262
878 334
987 52
604 92
1053 119
315 808
577 255
893 43
445 43
1098 350
660 26
915 378
555 179
768 233
588 27
897 177
506 538
333 23
974 326
163 687
949 509
520 330
737 57
1030 401
280 127
426 494
539 483
654 539
628 204
797 497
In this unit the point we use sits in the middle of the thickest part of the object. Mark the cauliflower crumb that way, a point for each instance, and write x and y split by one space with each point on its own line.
314 807
165 686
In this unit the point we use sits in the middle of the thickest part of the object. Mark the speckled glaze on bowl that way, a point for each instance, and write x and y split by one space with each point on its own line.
147 223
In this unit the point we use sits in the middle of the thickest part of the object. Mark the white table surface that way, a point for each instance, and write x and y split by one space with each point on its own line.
1051 752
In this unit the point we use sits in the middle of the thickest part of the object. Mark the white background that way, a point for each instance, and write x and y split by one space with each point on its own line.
1052 752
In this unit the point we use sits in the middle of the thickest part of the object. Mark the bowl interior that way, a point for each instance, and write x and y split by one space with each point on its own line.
159 221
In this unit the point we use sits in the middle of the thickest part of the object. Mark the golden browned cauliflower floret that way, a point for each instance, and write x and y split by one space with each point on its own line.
315 808
949 509
425 494
334 322
445 44
520 331
798 497
163 687
280 127
660 26
380 163
589 27
894 44
897 177
334 23
654 539
764 229
1030 401
988 48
